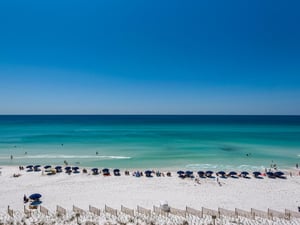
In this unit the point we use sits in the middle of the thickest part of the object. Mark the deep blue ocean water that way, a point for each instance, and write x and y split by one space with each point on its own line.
193 142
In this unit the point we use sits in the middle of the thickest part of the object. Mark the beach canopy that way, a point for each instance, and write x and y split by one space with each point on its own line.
47 167
244 173
148 173
95 169
200 173
37 166
256 173
270 174
180 172
67 168
209 173
222 173
58 167
29 166
35 203
105 170
75 168
35 196
188 173
116 172
232 173
278 174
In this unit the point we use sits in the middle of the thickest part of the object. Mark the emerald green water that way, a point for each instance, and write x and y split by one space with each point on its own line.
194 142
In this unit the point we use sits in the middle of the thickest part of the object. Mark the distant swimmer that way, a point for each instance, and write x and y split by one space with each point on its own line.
11 157
97 153
62 144
25 153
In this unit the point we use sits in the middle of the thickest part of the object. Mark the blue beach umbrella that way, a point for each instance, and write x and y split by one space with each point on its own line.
58 169
209 173
29 166
270 174
244 173
222 173
35 203
148 173
180 172
188 173
116 172
256 173
68 168
279 174
232 173
47 167
201 173
95 171
105 172
75 168
35 196
37 168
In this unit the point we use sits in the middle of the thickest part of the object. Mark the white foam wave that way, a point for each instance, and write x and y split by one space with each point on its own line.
67 157
224 167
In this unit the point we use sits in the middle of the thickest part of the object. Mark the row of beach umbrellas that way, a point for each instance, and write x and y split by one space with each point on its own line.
209 173
148 173
68 169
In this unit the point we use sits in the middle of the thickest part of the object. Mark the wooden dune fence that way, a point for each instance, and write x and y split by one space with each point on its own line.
144 211
290 214
10 212
159 211
27 212
270 214
194 212
178 212
78 210
210 212
44 211
61 211
243 213
259 213
94 210
273 213
127 211
111 211
226 212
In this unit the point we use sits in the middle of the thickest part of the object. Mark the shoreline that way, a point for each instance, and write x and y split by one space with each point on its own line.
84 189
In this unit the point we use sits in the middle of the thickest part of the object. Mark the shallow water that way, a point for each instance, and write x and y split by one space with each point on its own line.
194 142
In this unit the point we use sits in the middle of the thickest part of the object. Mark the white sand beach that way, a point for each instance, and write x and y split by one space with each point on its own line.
83 190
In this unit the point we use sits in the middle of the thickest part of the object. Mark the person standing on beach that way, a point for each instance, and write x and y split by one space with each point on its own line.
11 157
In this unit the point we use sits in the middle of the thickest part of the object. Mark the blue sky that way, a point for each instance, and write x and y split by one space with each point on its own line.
149 57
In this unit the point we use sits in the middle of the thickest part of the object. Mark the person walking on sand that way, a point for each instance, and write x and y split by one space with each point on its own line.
25 199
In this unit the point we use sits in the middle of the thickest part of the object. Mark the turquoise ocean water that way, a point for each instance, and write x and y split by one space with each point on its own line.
194 142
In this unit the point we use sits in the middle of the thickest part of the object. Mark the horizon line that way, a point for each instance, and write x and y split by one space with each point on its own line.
34 114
